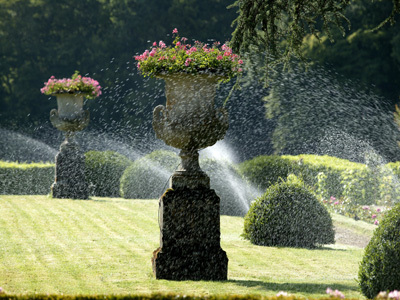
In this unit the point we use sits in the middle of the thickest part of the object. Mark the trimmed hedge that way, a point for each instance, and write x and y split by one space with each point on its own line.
327 176
264 171
288 215
309 166
146 177
229 185
380 265
26 178
103 170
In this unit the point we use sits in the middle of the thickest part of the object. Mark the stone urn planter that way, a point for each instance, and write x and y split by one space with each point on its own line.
189 210
70 118
70 161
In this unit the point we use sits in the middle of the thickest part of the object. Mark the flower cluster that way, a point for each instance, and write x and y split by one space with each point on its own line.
76 84
365 213
335 293
188 58
391 295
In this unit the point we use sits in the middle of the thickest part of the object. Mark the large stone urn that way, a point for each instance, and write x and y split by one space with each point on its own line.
70 161
189 210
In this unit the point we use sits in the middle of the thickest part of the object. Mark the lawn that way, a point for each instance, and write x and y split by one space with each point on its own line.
104 246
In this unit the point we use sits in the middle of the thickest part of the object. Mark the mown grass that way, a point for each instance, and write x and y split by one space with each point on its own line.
104 246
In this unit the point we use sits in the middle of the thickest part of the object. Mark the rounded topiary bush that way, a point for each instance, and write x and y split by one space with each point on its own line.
265 170
380 266
289 215
147 177
234 192
103 170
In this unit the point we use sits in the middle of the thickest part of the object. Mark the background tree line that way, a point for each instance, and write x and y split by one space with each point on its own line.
40 38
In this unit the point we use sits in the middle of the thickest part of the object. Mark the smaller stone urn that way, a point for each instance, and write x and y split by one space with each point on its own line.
189 210
70 161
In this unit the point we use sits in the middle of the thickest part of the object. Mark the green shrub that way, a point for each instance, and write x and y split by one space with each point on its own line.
26 178
147 177
289 215
380 266
230 186
310 166
361 187
103 170
263 171
390 184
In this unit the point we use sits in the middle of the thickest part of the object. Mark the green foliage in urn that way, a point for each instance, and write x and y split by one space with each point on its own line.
103 170
288 215
380 267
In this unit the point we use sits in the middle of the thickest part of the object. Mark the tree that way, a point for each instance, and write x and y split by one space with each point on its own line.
368 56
315 113
266 23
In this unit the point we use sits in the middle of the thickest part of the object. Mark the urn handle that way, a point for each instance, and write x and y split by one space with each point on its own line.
159 116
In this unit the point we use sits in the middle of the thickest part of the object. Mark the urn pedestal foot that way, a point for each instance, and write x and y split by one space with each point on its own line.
190 237
70 179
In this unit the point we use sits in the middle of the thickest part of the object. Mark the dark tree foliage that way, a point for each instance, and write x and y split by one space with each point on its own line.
266 23
366 54
41 38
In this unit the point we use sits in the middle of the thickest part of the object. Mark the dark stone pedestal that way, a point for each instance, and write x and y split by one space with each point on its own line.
70 173
190 236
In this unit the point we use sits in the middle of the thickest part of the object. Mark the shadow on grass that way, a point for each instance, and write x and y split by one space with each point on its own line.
312 288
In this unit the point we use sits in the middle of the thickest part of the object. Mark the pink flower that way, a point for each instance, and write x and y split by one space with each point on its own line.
240 62
378 210
366 207
191 50
333 198
336 203
178 43
155 44
376 222
162 45
219 57
335 293
187 62
394 295
184 39
175 30
373 216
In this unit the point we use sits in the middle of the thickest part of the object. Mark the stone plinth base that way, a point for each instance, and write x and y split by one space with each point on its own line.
190 237
70 179
70 191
